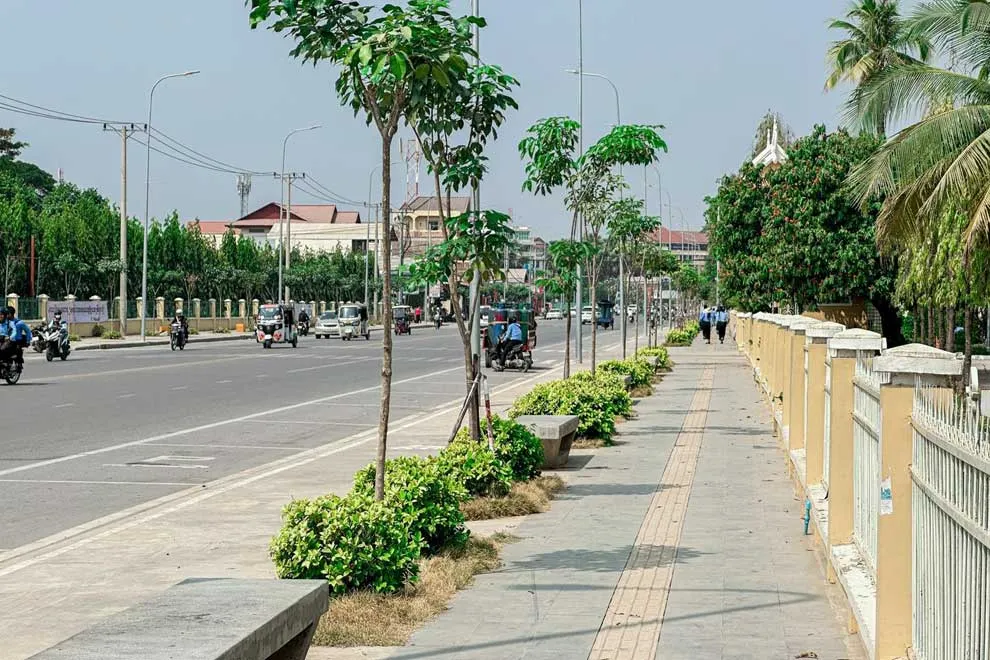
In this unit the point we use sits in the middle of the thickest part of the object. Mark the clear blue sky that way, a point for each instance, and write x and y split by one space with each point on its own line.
706 70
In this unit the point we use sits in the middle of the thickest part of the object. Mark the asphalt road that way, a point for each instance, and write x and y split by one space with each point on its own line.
107 430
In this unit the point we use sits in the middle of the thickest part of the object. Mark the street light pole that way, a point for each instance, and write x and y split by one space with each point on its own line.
283 256
473 314
147 197
579 335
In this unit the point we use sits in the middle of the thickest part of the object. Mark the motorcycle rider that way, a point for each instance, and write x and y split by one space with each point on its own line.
180 318
14 335
513 338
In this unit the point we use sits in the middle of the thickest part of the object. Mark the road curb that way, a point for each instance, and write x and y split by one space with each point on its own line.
106 345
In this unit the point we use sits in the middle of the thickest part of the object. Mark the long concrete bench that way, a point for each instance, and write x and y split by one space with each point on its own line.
556 432
207 619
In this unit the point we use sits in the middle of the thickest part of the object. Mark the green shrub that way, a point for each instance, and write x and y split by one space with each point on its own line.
354 543
74 338
596 400
98 330
193 331
514 445
221 330
663 361
680 337
640 371
479 471
428 497
112 334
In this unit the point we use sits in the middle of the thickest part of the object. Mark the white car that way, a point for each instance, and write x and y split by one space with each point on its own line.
587 315
554 315
327 326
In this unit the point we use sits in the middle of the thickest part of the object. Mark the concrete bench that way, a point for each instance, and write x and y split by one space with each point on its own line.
207 619
626 380
556 432
652 360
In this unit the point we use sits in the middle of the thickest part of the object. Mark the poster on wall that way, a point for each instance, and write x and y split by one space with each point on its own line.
79 311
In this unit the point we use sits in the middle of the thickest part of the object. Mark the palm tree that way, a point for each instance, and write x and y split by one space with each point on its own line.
877 40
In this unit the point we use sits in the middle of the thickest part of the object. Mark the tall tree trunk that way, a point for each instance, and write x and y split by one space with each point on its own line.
930 326
950 329
386 394
890 321
567 342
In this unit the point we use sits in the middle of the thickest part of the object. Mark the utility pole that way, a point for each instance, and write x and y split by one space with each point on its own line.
285 247
579 344
125 131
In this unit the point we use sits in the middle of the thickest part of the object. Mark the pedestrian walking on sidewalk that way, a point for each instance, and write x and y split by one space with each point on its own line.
721 322
705 322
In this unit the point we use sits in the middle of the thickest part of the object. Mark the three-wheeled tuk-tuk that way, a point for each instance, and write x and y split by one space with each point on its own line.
352 319
402 315
605 319
497 325
276 325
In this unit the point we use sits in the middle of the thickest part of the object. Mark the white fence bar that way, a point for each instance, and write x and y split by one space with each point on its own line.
866 461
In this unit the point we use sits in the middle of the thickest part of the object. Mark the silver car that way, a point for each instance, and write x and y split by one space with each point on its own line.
327 326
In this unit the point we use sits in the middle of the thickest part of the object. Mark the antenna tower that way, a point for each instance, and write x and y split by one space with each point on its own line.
244 191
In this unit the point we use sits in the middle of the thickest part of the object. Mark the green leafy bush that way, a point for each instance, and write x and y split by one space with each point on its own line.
596 400
74 338
640 371
680 337
426 494
663 361
693 328
353 542
112 334
193 331
514 445
479 471
221 330
98 330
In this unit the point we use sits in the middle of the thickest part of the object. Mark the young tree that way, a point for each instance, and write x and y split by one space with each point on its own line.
565 258
627 228
390 59
9 147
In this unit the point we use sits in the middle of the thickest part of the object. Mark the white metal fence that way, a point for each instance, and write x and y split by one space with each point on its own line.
951 527
866 459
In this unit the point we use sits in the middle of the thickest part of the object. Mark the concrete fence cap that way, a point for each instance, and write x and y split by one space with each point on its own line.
918 359
823 330
856 339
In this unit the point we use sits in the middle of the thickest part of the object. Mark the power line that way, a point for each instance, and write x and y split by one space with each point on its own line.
34 110
331 193
196 155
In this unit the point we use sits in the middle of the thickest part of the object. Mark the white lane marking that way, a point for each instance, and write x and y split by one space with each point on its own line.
168 466
198 493
184 484
65 405
189 444
126 396
117 372
214 425
224 382
180 387
262 376
328 366
292 421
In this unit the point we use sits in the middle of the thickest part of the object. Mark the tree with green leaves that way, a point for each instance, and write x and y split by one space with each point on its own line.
658 262
591 188
561 282
9 146
877 41
390 59
628 227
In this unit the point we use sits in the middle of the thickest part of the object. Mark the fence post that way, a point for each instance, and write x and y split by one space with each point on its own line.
242 309
213 312
817 337
12 299
255 304
43 307
227 306
759 363
901 368
197 312
179 305
794 396
160 308
743 335
844 348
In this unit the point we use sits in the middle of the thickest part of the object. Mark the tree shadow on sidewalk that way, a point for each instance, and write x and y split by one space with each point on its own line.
608 560
585 490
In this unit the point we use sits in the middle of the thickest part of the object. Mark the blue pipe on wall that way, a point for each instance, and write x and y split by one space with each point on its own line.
807 515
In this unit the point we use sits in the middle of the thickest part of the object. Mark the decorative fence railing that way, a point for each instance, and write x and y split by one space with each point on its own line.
866 459
951 528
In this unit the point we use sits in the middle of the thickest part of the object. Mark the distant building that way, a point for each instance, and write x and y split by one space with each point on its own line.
214 230
689 246
417 224
773 153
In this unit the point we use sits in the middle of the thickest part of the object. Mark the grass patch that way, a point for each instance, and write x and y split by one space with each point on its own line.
641 391
526 497
369 619
590 443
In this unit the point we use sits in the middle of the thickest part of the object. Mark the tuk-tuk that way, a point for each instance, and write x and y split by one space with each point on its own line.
402 315
497 324
352 319
276 325
605 318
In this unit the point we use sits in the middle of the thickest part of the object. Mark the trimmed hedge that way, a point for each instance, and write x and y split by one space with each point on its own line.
426 494
640 371
596 400
515 445
659 352
480 472
351 542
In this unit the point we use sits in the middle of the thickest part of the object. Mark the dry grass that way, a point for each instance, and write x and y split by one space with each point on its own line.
526 497
369 619
589 443
641 391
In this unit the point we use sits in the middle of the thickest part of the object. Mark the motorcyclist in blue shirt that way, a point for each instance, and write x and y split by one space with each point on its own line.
16 335
513 338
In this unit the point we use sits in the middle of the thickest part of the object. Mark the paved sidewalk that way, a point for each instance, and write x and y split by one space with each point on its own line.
684 541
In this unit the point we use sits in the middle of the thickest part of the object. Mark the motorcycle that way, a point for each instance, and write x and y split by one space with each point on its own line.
519 357
177 336
10 371
437 321
55 342
37 340
302 327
